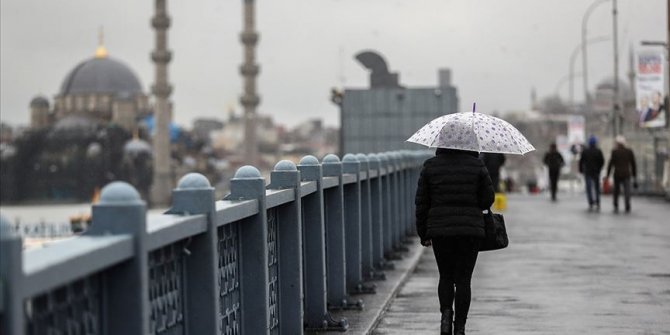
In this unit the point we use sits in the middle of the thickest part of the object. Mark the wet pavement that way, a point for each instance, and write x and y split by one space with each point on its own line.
566 271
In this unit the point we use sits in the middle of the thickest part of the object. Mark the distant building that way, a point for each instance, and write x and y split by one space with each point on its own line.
382 117
84 139
100 89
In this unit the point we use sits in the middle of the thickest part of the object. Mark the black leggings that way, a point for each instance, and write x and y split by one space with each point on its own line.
456 258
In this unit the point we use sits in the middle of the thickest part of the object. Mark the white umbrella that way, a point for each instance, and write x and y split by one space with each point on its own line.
474 132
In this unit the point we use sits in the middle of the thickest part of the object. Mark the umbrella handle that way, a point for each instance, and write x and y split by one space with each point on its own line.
474 107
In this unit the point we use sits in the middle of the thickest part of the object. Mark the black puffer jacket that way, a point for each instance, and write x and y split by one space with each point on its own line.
454 188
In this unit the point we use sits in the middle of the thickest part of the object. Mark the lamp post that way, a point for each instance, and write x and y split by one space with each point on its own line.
568 78
616 111
573 57
585 19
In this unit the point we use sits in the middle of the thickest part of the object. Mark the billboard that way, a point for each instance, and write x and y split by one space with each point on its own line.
649 87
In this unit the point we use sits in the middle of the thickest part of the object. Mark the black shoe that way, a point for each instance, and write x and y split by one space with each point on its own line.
446 323
616 210
459 330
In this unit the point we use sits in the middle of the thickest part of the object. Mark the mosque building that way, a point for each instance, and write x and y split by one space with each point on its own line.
101 90
88 136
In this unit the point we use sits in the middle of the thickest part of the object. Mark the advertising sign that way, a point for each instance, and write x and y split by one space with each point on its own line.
649 88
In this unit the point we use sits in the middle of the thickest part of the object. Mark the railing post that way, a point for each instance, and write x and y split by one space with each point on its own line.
395 201
367 263
352 228
247 184
387 218
284 176
317 316
195 195
120 212
335 238
11 281
377 214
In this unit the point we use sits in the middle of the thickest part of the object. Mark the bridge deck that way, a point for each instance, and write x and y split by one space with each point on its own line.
566 270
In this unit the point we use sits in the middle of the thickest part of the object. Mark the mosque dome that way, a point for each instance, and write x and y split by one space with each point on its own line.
101 74
39 101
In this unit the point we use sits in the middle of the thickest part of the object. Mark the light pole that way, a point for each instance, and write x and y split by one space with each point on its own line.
568 78
573 57
616 103
585 19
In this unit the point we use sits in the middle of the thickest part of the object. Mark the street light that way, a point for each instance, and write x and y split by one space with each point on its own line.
573 57
584 55
565 79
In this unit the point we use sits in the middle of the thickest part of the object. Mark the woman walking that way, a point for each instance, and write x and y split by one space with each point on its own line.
454 187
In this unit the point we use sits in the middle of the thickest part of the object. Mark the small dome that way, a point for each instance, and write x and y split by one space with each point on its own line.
136 146
39 102
101 75
73 127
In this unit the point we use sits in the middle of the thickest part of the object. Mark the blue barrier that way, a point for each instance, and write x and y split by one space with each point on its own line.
272 259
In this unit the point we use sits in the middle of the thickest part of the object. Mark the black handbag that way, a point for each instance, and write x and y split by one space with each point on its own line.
496 233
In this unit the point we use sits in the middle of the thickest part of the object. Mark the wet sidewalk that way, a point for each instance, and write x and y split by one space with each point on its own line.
566 271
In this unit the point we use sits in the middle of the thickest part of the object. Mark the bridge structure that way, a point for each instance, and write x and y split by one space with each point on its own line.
270 258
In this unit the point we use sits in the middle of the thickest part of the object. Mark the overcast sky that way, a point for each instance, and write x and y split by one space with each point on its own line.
497 49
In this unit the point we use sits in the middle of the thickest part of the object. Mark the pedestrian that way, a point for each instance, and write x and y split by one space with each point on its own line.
454 188
622 161
493 161
590 164
554 162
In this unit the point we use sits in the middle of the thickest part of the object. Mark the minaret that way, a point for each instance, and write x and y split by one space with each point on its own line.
249 71
161 187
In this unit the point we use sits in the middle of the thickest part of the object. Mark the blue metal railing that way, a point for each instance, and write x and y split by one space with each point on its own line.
269 259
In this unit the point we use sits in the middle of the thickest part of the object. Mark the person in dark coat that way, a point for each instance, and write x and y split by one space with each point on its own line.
590 164
554 162
622 161
493 163
454 188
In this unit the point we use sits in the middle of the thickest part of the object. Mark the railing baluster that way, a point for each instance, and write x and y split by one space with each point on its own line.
317 316
195 195
126 289
247 184
11 279
377 215
285 175
335 237
367 264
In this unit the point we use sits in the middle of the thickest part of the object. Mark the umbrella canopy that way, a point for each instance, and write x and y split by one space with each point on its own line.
474 132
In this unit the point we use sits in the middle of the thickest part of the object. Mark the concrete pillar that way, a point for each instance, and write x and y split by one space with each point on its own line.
161 56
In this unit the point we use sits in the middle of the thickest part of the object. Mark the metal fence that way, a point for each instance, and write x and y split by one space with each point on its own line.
265 260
